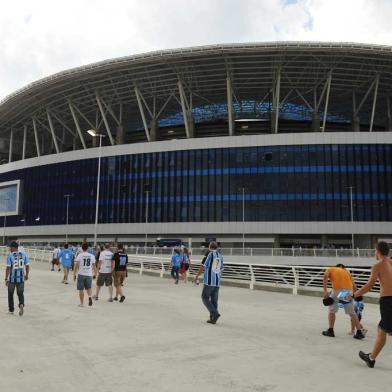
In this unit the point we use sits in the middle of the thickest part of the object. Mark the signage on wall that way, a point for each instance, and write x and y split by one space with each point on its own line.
10 198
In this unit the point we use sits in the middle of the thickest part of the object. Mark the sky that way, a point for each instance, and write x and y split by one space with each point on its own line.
42 37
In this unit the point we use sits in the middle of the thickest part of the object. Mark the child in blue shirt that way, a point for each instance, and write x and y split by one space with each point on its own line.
359 306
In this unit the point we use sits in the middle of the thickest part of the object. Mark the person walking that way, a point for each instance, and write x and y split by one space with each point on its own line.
120 270
105 276
17 272
83 269
185 264
382 272
66 258
343 288
212 266
175 265
55 257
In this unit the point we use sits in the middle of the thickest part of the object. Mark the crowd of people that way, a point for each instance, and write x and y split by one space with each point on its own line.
109 267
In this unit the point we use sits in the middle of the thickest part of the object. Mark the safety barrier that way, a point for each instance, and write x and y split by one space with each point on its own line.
294 278
286 252
33 253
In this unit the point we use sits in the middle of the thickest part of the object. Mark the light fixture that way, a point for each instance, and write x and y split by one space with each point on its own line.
170 132
92 132
251 120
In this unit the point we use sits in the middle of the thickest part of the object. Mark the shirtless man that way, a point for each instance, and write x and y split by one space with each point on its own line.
381 271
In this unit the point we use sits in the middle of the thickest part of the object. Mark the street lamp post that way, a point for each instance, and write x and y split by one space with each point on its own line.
5 224
147 190
93 133
67 196
4 200
242 189
352 217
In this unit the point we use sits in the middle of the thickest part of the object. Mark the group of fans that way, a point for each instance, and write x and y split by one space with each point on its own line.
107 267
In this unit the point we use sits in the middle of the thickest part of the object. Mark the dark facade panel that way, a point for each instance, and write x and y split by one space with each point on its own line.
281 183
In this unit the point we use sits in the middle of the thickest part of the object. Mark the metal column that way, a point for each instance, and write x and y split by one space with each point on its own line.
36 137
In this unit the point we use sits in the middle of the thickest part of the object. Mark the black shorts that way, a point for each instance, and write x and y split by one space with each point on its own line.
386 314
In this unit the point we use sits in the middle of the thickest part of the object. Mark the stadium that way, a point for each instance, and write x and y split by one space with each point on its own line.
269 144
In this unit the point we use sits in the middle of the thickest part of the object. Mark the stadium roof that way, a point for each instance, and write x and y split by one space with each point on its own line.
202 91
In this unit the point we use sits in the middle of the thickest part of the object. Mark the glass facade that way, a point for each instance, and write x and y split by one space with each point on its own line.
281 183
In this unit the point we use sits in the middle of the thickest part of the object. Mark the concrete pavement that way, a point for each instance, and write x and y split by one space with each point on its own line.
158 340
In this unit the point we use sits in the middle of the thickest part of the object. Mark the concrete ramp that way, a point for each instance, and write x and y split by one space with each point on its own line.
158 340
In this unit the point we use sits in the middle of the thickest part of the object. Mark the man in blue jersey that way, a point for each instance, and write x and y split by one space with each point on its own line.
212 266
66 257
16 273
175 265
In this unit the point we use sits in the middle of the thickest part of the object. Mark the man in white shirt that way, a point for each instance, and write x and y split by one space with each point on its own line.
55 258
105 267
83 268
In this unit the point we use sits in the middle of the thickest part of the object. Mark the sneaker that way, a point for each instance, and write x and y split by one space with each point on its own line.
110 300
10 313
21 310
211 321
95 297
366 358
81 306
52 269
115 299
59 270
122 299
216 318
329 332
66 282
359 335
90 301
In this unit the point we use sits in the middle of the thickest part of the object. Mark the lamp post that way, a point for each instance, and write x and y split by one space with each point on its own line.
67 196
352 217
94 133
147 190
4 200
242 189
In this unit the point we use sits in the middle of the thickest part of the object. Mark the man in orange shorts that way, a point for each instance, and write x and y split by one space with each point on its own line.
120 270
341 281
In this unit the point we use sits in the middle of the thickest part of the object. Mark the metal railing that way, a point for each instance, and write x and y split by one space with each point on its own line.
33 253
271 252
295 278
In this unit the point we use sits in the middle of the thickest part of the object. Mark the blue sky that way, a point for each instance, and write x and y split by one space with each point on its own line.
41 37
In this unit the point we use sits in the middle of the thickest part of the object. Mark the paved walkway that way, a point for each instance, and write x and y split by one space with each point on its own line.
157 340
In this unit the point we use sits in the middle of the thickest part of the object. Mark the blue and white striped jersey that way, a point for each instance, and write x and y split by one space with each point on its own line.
17 261
213 267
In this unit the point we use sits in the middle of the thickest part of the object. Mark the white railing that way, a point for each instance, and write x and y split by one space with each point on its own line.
287 252
271 252
294 278
33 253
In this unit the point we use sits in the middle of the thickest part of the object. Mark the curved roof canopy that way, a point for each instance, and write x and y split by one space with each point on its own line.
202 91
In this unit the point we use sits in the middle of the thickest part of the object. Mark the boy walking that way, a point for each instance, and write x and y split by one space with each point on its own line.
212 266
120 270
17 271
83 270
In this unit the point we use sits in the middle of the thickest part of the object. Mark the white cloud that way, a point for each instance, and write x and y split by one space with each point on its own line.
40 37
